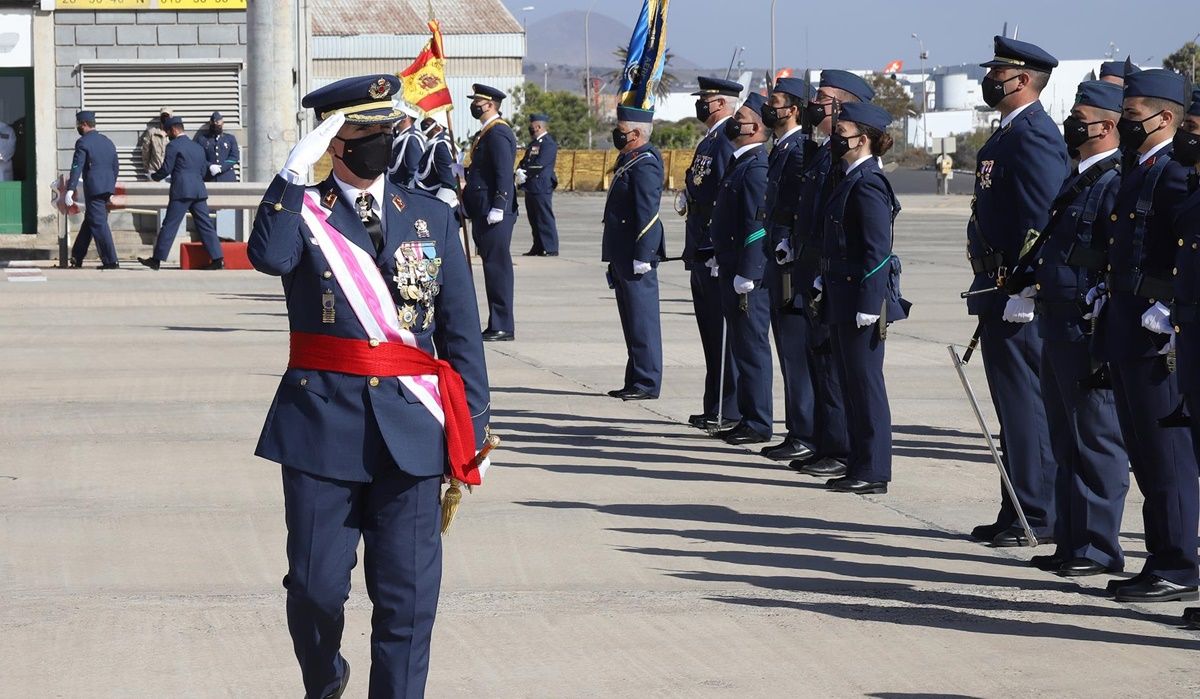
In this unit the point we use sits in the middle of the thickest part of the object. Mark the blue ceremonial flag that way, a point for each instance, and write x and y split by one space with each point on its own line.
644 62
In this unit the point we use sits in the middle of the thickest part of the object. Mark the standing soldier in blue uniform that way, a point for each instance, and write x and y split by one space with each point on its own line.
1093 468
220 150
366 423
860 278
633 244
435 174
185 164
95 164
739 243
715 104
831 439
407 148
1020 169
1135 331
491 203
1113 72
535 174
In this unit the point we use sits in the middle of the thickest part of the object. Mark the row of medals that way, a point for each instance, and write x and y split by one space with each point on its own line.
416 281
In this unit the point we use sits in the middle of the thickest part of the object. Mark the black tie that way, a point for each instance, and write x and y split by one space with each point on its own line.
365 204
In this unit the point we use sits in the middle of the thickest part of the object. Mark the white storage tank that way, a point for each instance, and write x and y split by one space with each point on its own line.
953 91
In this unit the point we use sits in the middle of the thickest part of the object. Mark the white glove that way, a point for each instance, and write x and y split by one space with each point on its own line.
1157 319
713 267
495 216
214 170
521 177
309 150
448 197
783 252
1018 309
818 286
742 285
1166 349
1097 298
70 199
862 320
640 267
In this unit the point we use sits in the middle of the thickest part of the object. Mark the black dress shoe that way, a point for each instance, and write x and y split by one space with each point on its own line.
700 422
616 392
1155 589
498 336
75 263
218 263
636 394
150 262
533 253
1080 567
857 487
1050 563
337 694
114 265
550 254
823 468
987 532
744 434
1191 617
1015 536
725 427
788 450
1117 583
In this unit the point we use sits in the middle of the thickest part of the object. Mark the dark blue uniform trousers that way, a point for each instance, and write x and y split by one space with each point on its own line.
1163 465
1193 407
750 345
637 305
398 517
176 209
540 210
494 244
706 303
95 226
1012 359
858 353
1093 469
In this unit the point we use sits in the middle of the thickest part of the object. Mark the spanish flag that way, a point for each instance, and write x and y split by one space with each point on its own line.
425 80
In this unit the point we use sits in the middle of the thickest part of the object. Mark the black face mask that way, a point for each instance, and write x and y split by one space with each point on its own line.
733 128
476 110
217 130
1133 132
79 130
703 110
815 112
771 116
1186 148
367 157
1075 133
532 132
993 90
620 138
840 145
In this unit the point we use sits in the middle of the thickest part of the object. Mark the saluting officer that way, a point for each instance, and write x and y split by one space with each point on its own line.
435 173
860 280
1093 468
784 113
186 165
95 164
1136 331
535 174
739 242
376 286
1020 170
491 204
633 244
716 101
831 438
408 146
220 150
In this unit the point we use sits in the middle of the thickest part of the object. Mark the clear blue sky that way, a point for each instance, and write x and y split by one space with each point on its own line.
706 31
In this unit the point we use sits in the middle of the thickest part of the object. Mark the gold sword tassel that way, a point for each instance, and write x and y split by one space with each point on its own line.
453 495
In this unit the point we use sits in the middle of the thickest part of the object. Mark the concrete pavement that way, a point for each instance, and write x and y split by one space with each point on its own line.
613 552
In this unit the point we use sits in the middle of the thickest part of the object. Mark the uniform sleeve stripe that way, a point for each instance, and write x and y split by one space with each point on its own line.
879 267
755 236
648 225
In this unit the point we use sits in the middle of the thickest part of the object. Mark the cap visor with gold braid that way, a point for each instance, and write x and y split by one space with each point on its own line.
363 100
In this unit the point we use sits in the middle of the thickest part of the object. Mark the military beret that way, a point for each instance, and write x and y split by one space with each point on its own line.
85 116
754 102
800 89
365 99
865 114
539 117
172 121
216 116
1112 68
717 86
1011 53
1158 83
845 80
1099 94
1194 110
487 92
635 115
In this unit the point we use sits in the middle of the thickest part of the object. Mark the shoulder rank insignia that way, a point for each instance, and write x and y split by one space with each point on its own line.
398 203
422 228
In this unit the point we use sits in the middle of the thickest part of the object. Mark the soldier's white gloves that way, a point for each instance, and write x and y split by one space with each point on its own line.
70 199
862 320
1170 345
495 216
783 252
214 170
448 197
1157 319
742 285
713 267
640 267
1019 308
521 177
309 150
1097 298
819 289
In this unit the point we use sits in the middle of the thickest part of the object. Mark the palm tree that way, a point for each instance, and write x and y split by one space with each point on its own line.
665 86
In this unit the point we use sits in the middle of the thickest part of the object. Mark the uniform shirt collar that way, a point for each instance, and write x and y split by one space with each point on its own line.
490 120
745 149
1087 163
351 194
1006 120
1150 153
788 135
858 162
719 124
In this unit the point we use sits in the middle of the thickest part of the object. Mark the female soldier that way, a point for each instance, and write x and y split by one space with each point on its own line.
860 281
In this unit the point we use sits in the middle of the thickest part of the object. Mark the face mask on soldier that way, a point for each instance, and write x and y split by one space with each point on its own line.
994 91
476 110
367 157
1186 148
620 138
1133 131
1075 132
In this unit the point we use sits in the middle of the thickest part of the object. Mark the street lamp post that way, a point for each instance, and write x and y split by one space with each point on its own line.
587 63
525 20
773 69
924 93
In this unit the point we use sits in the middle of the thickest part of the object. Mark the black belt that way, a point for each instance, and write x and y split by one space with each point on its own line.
1142 285
783 218
1184 313
1061 309
987 264
1087 257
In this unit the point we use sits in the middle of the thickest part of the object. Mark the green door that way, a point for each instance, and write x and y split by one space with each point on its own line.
18 181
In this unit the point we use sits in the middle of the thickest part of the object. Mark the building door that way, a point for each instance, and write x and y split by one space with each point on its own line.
18 181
